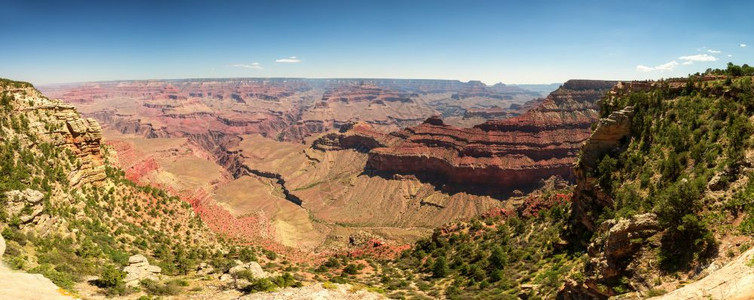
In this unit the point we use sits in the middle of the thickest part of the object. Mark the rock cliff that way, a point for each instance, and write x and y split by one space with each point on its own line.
60 125
607 136
60 199
287 109
513 152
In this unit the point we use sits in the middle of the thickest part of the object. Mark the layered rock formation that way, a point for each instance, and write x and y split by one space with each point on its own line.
611 256
502 153
285 109
198 138
608 135
61 125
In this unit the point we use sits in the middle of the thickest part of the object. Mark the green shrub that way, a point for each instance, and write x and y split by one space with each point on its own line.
110 277
440 268
259 285
160 289
351 269
61 279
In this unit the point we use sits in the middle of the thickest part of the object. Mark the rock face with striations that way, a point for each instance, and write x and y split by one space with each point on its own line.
61 125
283 108
502 153
607 136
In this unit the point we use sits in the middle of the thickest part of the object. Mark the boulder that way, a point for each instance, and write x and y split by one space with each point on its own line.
139 269
24 286
254 267
138 260
234 280
626 235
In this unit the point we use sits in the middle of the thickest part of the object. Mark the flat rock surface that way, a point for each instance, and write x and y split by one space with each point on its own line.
18 285
733 281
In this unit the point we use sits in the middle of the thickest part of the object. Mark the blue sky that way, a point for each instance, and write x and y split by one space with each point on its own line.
492 41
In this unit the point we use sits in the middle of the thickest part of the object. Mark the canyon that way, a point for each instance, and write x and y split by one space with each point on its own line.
319 164
513 153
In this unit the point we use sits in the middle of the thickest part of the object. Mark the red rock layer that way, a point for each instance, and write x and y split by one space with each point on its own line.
502 153
282 108
168 108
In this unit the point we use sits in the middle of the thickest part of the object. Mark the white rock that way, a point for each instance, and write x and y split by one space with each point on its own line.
140 269
2 246
254 267
226 277
138 259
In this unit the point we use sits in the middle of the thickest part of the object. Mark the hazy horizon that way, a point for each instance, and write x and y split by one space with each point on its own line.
303 78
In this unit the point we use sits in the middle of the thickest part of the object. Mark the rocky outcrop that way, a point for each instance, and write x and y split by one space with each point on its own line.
610 134
61 125
611 256
503 153
359 136
617 241
139 269
285 108
622 238
26 204
253 267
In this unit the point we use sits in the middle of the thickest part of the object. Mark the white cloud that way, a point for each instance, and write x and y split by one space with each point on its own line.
288 60
730 55
714 51
254 65
669 66
688 62
742 45
698 57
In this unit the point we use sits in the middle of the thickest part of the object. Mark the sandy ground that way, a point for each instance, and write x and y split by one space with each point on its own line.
316 291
